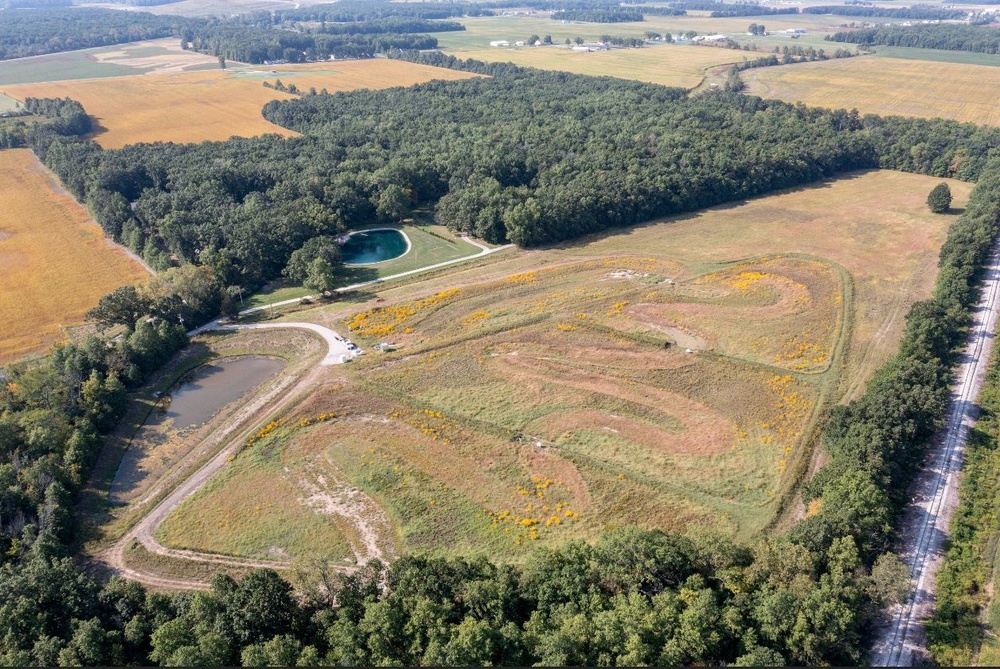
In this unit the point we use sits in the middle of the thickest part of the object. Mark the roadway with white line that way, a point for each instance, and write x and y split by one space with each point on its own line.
927 519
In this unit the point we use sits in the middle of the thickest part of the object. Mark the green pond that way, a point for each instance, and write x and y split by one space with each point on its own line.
371 246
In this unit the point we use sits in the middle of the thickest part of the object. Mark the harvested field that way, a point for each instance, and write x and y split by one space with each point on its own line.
551 394
214 105
54 260
886 86
669 65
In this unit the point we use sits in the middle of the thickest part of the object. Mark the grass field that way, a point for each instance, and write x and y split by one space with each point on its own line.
480 31
8 104
121 60
886 86
549 394
54 260
939 55
213 105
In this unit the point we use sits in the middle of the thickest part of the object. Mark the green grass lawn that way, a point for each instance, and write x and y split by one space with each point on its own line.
431 244
62 66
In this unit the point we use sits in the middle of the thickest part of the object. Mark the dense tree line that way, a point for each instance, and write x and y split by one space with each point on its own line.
616 15
37 4
59 116
30 32
919 12
394 24
143 3
948 36
258 44
348 11
460 144
663 11
789 55
731 9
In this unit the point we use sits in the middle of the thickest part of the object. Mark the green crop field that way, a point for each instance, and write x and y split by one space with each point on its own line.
661 375
938 55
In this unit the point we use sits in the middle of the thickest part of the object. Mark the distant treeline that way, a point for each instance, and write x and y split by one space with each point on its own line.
143 3
259 44
21 4
369 10
919 12
253 38
598 15
731 9
31 32
394 24
790 55
949 36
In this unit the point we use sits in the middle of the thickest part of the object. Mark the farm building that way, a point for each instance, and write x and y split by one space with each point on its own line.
500 42
796 31
710 38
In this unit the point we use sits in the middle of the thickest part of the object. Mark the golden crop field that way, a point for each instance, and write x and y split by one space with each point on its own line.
886 86
54 260
658 375
215 104
668 65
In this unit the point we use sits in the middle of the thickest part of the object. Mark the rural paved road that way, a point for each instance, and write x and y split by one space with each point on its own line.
926 521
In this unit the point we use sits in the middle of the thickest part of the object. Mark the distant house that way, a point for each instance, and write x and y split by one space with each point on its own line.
709 38
582 49
500 42
519 43
796 31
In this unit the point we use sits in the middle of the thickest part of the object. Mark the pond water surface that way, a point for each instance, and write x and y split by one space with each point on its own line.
371 246
217 384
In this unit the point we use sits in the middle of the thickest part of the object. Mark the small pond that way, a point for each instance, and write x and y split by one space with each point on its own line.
217 384
371 246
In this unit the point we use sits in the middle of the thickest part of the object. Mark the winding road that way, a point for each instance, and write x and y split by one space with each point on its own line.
927 519
231 437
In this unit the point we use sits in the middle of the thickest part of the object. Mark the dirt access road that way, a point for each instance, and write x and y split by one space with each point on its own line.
927 519
232 437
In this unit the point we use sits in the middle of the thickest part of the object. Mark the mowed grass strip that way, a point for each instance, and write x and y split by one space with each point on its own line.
667 64
54 260
886 86
214 105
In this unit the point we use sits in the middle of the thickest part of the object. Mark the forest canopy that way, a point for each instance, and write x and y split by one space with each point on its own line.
947 36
